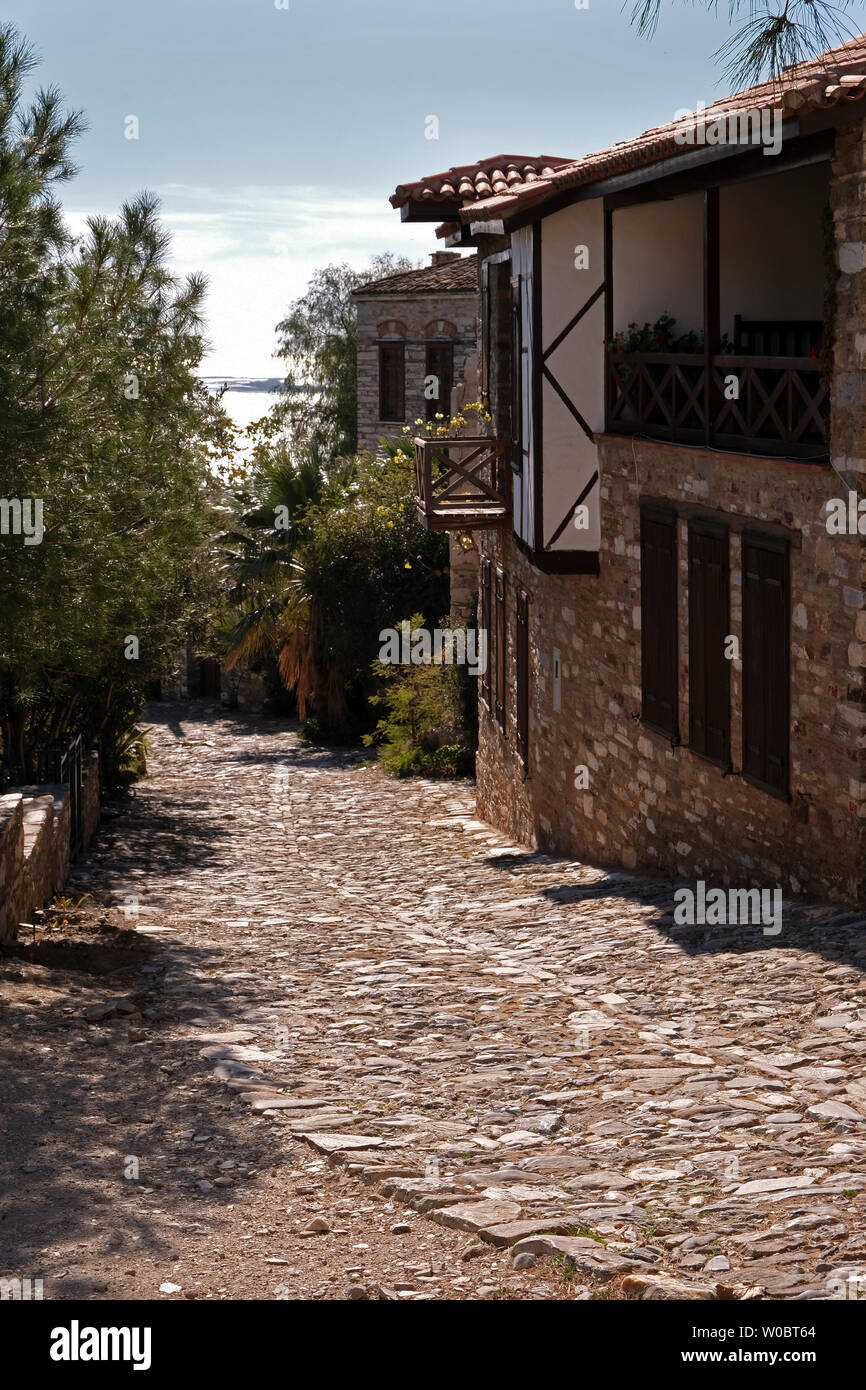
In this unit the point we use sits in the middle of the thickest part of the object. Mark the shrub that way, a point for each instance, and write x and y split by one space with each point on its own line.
430 727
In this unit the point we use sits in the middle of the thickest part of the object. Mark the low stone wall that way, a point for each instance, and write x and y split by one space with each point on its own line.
12 890
35 826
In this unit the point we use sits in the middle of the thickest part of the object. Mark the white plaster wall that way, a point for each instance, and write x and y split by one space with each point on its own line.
570 458
658 263
771 234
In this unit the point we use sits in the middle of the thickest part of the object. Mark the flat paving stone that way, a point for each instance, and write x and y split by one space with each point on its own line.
481 1012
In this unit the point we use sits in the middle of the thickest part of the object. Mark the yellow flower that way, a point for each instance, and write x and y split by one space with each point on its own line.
407 566
419 421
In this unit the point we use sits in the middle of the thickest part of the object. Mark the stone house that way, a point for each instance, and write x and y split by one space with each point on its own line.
418 356
672 567
417 341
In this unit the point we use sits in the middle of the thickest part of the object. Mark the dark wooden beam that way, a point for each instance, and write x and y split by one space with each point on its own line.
712 326
537 400
429 210
608 305
688 173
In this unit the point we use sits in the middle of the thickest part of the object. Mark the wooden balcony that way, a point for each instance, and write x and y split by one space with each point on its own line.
783 405
462 484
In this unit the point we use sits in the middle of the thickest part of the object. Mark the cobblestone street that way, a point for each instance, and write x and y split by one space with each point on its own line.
360 1045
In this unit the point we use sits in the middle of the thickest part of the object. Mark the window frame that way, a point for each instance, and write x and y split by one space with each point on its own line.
392 346
651 514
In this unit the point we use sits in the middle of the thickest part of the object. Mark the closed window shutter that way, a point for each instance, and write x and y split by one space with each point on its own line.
485 626
485 332
709 668
659 647
522 663
499 644
392 381
440 364
516 377
766 661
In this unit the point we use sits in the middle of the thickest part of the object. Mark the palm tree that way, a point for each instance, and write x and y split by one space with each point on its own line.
261 561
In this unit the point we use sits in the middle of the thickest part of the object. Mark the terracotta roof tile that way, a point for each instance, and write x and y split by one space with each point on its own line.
501 173
839 75
459 276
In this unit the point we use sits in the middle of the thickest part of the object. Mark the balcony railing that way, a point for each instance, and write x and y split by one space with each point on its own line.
462 484
756 405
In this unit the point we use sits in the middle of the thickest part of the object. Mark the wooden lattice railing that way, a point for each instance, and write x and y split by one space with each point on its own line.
759 405
461 484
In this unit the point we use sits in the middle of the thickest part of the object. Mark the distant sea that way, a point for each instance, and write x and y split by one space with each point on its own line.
247 398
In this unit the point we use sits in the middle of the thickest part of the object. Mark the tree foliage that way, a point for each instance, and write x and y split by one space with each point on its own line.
104 423
770 36
313 596
318 341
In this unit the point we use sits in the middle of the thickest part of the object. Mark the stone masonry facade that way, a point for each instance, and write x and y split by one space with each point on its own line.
648 803
415 319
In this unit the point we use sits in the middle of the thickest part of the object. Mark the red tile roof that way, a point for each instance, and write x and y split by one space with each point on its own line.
497 188
839 75
502 173
459 276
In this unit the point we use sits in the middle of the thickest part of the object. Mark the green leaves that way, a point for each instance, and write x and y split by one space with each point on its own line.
771 37
102 417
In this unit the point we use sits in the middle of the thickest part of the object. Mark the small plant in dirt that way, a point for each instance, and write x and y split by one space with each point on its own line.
587 1232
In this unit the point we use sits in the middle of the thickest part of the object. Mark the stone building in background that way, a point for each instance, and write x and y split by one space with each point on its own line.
418 357
673 557
418 335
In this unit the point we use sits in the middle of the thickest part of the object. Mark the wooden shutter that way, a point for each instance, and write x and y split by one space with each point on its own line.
522 663
440 363
709 668
499 648
485 627
485 333
659 646
516 376
392 381
766 661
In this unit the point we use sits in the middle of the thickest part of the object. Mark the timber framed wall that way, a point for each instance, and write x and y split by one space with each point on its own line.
743 790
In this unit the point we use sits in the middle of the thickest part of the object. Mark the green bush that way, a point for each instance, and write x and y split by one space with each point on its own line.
430 728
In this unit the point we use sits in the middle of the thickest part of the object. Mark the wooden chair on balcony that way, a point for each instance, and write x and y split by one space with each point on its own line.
776 337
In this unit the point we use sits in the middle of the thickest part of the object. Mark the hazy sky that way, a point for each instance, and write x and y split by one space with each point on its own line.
275 136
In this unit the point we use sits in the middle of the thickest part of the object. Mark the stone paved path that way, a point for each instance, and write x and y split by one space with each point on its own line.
488 1042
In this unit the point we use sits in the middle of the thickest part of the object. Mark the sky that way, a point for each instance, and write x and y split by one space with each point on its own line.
274 136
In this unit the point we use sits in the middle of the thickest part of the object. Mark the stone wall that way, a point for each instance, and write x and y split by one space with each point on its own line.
413 314
463 569
652 805
35 823
12 887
